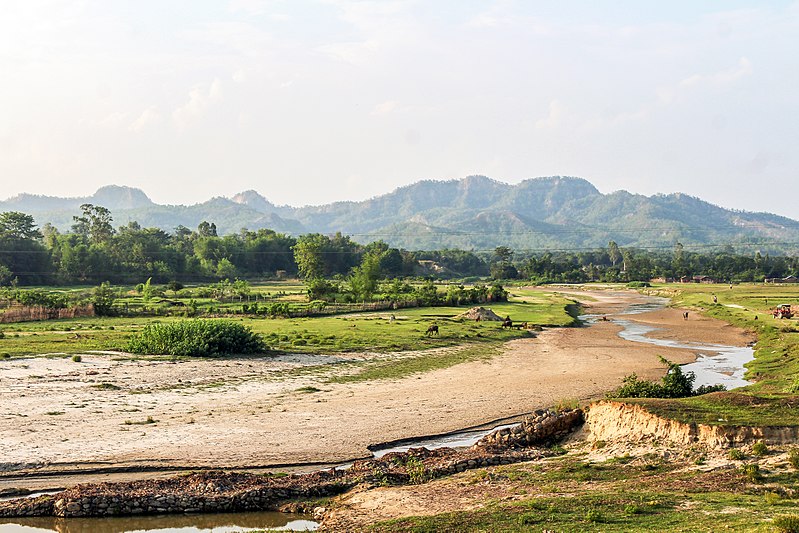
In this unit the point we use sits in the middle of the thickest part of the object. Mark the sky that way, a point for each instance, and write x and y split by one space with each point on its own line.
313 101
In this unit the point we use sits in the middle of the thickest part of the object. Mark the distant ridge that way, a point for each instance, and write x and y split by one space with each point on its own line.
475 212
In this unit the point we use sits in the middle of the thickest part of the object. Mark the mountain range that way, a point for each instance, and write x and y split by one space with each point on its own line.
475 212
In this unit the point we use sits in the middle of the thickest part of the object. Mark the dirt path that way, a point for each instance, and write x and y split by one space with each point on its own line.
57 415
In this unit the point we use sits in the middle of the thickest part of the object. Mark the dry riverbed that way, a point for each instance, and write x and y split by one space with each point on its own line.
109 412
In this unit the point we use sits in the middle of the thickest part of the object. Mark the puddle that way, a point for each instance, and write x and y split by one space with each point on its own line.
201 523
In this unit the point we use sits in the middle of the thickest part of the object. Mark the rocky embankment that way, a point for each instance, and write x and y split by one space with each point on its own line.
213 492
543 427
613 420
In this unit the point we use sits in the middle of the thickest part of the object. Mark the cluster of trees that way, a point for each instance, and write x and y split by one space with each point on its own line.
615 264
95 251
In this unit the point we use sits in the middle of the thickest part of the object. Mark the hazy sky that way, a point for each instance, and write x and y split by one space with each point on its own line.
313 101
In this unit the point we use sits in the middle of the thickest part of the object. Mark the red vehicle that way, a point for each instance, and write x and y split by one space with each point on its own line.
782 311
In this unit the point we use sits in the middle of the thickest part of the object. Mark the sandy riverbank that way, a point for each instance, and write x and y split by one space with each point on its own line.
238 413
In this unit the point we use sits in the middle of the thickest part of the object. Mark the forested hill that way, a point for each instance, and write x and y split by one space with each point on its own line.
472 213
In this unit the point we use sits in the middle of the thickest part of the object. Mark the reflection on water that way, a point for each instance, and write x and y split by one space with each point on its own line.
216 523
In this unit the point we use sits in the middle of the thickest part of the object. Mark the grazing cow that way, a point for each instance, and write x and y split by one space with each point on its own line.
685 315
432 330
507 323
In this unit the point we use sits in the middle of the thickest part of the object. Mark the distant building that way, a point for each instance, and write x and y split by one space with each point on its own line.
704 279
788 279
427 266
698 279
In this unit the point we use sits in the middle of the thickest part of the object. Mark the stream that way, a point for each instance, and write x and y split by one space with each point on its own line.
715 364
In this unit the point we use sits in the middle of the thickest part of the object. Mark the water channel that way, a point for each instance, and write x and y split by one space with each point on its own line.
715 364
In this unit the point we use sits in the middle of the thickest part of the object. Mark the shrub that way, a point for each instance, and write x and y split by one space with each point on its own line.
594 516
675 384
77 358
787 523
196 338
638 284
2 335
735 454
752 472
417 472
793 458
760 449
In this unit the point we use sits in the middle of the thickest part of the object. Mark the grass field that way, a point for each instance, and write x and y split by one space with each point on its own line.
570 494
325 334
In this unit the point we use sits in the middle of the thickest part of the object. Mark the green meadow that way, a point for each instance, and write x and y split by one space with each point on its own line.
326 334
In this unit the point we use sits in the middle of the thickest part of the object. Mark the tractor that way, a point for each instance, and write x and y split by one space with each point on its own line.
782 311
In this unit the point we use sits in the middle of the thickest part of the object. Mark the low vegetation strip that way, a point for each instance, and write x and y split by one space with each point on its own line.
725 409
426 362
196 338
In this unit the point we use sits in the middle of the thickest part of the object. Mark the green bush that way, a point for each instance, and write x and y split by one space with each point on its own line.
77 358
793 458
759 448
417 471
787 523
675 384
196 338
735 454
638 284
752 472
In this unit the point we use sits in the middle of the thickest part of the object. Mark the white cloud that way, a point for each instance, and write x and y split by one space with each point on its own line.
379 24
385 108
724 77
149 117
200 98
253 7
356 53
553 118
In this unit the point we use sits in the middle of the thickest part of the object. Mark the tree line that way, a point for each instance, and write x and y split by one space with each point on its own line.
95 251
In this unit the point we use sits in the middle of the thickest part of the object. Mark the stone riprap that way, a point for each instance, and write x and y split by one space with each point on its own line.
543 427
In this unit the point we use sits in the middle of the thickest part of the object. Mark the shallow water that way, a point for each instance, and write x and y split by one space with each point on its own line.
460 439
216 523
724 367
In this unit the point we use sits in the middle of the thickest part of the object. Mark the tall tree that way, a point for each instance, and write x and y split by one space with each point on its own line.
614 253
18 225
94 224
308 256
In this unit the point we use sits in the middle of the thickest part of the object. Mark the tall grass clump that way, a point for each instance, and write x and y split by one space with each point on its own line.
196 338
